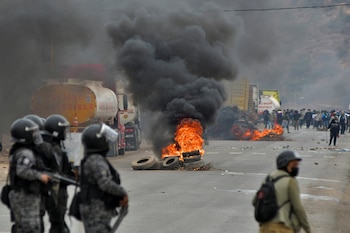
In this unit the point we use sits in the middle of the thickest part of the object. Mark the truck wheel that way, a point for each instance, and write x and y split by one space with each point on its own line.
171 163
143 163
121 151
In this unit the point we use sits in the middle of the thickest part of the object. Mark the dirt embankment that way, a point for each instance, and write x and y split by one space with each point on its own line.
4 157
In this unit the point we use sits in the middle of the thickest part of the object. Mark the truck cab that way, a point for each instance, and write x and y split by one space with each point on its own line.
133 136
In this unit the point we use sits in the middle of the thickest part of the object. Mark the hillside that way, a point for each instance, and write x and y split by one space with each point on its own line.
309 61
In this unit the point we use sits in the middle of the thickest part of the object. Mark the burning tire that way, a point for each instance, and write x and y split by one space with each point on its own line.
194 165
193 158
171 162
143 163
158 165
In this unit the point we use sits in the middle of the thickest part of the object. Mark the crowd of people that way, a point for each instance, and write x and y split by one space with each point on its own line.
337 122
305 118
37 154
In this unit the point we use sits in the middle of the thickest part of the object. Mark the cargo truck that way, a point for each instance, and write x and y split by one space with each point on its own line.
82 102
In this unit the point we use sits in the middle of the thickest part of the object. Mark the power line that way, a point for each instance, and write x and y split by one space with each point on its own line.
290 8
256 9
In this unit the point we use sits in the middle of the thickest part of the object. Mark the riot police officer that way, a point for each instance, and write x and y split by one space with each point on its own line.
56 203
47 156
26 177
100 189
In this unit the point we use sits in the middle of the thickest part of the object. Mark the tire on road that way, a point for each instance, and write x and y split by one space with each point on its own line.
158 165
171 163
194 165
193 158
143 163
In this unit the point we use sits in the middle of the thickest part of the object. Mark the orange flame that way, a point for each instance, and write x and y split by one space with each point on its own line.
256 135
188 138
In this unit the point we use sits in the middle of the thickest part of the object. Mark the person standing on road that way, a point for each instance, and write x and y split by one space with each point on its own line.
296 117
56 203
334 131
291 217
343 122
285 120
266 118
46 154
308 118
26 177
279 116
100 189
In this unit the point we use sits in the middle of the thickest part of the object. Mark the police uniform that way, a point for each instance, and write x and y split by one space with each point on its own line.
56 202
100 193
100 189
55 128
26 190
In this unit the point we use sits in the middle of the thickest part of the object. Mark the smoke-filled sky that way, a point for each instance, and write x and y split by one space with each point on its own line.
175 54
175 59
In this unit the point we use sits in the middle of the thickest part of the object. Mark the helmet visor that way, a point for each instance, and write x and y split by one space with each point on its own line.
110 134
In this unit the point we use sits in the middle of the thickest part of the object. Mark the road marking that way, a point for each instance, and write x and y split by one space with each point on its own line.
235 153
259 153
329 157
322 187
319 198
316 179
302 195
263 174
211 153
316 156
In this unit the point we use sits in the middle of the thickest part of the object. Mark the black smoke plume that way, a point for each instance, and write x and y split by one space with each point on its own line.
33 37
174 59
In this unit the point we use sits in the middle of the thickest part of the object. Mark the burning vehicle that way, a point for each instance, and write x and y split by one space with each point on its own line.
185 152
188 140
253 134
234 124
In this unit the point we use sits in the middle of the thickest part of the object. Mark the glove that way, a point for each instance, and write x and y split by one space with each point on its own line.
37 138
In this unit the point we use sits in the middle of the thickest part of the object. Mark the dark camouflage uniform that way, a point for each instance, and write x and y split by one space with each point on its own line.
56 202
25 200
98 173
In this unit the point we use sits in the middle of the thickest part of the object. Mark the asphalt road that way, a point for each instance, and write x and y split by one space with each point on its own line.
219 199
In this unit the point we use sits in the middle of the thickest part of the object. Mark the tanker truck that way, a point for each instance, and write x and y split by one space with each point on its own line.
82 102
130 118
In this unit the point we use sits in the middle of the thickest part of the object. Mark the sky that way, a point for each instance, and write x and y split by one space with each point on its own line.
175 54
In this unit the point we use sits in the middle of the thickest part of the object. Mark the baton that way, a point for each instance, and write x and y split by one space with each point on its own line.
122 213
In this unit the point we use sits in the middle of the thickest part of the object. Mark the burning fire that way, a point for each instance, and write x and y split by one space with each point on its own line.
188 138
256 135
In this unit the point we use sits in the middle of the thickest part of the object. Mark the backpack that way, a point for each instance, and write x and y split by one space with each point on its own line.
266 206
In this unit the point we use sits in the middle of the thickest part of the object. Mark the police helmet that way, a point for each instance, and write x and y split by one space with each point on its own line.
285 157
22 130
96 137
36 119
57 125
